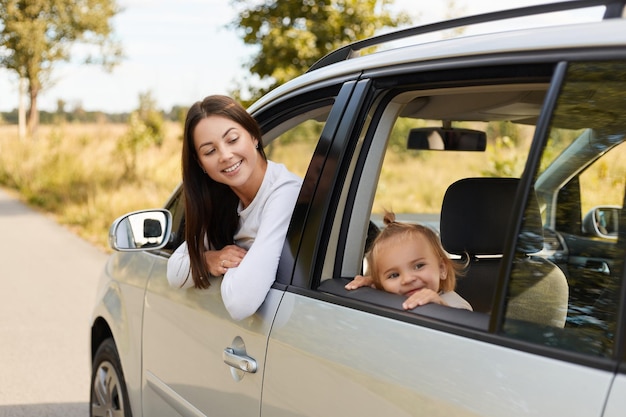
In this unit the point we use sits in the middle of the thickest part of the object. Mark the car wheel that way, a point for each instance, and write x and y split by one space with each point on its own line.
108 388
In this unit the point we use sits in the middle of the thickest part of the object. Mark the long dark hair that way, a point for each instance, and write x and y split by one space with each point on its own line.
210 206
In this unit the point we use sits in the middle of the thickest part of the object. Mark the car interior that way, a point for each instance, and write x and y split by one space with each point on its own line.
469 208
469 201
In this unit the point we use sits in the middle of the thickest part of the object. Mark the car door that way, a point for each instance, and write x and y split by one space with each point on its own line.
196 359
183 331
333 352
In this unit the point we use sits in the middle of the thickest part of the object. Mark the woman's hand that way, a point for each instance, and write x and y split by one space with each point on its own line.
360 281
219 261
422 297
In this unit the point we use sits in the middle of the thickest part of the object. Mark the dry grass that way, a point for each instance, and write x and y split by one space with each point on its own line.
74 173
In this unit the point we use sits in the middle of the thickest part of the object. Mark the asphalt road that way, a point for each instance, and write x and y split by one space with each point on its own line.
48 279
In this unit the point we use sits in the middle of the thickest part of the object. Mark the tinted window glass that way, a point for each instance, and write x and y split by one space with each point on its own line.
567 293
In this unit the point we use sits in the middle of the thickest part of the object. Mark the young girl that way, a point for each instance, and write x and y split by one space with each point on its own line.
408 259
237 206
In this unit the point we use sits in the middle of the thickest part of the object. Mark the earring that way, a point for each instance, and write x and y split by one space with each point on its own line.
257 146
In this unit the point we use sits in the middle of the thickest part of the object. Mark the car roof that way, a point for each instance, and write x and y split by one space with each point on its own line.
564 37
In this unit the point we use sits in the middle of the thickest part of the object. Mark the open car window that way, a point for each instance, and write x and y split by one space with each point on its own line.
416 144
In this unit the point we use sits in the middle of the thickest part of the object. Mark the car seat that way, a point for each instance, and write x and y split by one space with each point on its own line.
475 217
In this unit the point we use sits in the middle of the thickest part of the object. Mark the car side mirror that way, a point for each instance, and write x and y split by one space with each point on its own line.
141 230
602 221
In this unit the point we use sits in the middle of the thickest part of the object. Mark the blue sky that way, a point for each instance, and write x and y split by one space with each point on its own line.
180 51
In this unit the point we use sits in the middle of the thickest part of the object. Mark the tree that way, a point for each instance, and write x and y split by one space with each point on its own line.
293 35
36 34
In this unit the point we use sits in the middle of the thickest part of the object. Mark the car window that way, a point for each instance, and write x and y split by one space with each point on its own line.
575 277
413 184
393 170
295 147
601 185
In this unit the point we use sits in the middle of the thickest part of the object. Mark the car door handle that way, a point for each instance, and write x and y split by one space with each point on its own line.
239 361
598 266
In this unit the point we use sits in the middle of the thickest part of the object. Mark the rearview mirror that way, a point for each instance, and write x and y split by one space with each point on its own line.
447 139
602 221
141 230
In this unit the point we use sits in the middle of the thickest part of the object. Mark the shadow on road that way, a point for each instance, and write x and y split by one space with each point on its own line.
45 410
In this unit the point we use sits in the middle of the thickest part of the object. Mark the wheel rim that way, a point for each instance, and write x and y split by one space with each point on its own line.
107 397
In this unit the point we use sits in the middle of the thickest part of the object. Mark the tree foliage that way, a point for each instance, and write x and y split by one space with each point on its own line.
292 35
36 34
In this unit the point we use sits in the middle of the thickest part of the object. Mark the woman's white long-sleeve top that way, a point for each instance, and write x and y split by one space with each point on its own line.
262 229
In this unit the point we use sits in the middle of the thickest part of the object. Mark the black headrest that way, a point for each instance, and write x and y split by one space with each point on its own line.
475 217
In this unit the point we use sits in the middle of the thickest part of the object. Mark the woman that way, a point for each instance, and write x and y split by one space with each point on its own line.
237 206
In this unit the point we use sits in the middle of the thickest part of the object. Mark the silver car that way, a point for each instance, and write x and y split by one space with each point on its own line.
511 145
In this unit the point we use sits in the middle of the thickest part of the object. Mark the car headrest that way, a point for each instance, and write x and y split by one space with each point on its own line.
475 217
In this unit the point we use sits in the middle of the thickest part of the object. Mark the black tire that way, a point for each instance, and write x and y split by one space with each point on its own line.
109 396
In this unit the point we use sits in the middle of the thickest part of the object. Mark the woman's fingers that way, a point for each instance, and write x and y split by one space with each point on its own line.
231 256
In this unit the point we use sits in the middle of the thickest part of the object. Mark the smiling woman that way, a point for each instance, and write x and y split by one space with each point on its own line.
237 206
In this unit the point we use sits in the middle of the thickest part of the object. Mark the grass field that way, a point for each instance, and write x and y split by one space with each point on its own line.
76 174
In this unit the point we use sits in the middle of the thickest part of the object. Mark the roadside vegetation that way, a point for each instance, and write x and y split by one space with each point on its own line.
80 176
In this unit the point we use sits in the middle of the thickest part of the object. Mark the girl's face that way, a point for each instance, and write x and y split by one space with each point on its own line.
228 154
408 264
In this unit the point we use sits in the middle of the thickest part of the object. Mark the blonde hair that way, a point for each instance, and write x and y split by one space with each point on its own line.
394 229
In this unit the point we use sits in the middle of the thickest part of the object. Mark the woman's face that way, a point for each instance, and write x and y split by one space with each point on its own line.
228 154
408 264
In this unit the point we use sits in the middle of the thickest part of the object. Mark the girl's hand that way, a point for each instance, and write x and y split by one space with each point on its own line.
219 261
360 281
422 297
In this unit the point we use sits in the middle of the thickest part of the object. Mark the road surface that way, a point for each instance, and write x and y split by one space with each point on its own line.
48 279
